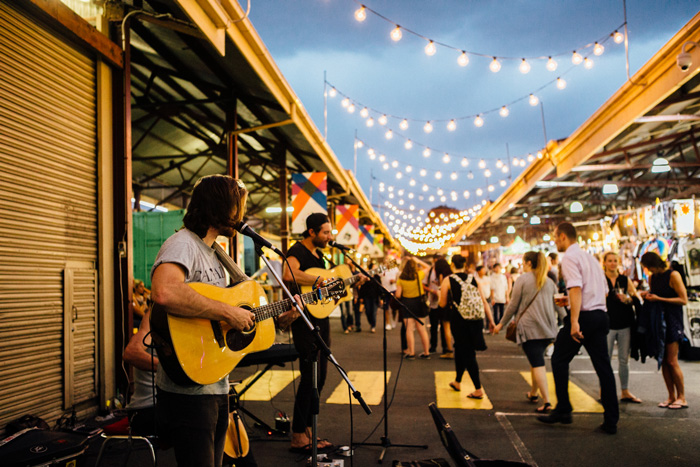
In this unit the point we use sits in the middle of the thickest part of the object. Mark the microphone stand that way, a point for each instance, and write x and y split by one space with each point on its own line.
385 441
326 351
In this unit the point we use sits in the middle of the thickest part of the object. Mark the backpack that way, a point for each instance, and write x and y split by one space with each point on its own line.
470 305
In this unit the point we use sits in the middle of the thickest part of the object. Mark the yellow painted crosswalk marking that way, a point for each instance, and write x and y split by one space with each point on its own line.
448 398
268 386
580 401
369 383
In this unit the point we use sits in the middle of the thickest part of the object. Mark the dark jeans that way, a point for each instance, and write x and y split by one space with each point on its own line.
594 326
435 325
498 309
358 315
304 405
346 318
370 312
194 425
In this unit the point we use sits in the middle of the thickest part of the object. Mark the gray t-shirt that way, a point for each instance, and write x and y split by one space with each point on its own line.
201 264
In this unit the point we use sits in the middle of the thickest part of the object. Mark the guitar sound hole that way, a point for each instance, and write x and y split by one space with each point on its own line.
239 340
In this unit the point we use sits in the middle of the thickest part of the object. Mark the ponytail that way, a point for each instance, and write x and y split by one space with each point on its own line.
539 266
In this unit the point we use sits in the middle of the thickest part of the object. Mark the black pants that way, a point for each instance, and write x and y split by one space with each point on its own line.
371 311
498 309
304 405
435 325
594 326
195 426
464 332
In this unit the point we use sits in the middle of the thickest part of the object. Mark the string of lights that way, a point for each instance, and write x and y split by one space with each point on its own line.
463 55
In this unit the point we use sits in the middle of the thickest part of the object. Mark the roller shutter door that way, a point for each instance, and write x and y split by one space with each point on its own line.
48 222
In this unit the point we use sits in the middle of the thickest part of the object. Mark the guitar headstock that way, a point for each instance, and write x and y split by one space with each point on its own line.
332 288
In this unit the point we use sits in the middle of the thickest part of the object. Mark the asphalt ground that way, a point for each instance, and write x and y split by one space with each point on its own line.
502 427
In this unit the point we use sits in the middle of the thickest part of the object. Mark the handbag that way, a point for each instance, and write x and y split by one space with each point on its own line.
512 329
424 307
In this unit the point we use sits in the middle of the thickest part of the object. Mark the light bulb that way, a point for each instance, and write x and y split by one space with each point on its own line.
425 187
426 152
431 198
482 164
561 84
533 100
524 67
479 192
396 33
499 163
465 162
404 124
394 163
438 175
371 152
576 58
443 198
495 65
516 162
470 175
333 92
504 112
502 183
385 166
423 172
408 144
453 176
372 156
389 134
370 122
618 37
504 169
463 60
351 108
345 102
551 64
382 158
359 143
446 158
598 49
361 14
491 188
466 194
364 113
412 182
530 158
408 169
439 193
487 173
382 120
539 155
428 127
399 175
430 49
478 121
451 125
587 63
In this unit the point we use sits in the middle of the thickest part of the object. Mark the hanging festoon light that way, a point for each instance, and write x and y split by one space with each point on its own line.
453 175
438 175
404 124
423 172
533 100
345 102
499 163
428 127
598 49
371 153
576 58
479 192
524 67
587 63
382 120
389 134
394 163
504 169
466 194
478 121
482 164
551 64
430 49
463 60
502 183
399 175
426 152
332 92
364 113
470 175
351 108
504 112
382 158
425 187
361 14
408 144
561 84
412 182
530 158
465 162
396 33
359 143
451 125
446 158
369 122
495 65
618 37
487 173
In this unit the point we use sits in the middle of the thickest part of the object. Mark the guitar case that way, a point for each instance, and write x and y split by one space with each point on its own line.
37 447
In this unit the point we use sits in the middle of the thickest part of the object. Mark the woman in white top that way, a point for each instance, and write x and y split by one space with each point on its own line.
533 303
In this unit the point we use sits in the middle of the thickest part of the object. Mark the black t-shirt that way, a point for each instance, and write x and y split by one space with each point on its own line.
456 289
621 314
307 260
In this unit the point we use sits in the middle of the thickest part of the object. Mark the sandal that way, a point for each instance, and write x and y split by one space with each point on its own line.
665 404
475 396
545 408
531 398
454 386
424 356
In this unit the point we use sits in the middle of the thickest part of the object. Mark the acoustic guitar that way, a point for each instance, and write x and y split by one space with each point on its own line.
200 351
322 310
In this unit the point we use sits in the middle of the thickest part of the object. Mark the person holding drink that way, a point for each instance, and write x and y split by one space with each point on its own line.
622 319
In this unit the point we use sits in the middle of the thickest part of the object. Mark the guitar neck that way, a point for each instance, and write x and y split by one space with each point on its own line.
275 309
356 277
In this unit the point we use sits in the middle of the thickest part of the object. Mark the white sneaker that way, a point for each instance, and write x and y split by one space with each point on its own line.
388 327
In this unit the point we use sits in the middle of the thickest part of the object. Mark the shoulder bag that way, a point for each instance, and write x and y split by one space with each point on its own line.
423 300
512 329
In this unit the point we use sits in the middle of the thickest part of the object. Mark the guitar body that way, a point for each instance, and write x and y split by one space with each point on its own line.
322 310
200 351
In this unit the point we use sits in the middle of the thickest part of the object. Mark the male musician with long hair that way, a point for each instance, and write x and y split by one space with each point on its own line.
194 419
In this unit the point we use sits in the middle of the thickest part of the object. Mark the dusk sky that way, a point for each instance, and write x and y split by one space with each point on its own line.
308 38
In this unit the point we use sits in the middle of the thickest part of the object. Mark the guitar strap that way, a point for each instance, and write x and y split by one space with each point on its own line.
321 255
227 262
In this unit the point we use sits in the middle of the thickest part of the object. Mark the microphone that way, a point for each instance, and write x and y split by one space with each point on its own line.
337 245
246 230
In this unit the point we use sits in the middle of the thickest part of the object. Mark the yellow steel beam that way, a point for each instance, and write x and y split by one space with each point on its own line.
262 127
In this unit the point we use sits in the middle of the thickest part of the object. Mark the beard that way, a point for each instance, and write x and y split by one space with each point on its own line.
319 243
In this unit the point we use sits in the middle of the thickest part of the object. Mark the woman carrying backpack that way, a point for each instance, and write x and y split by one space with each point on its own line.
532 304
466 322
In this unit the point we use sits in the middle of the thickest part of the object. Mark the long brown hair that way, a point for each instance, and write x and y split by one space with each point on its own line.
409 271
539 266
217 201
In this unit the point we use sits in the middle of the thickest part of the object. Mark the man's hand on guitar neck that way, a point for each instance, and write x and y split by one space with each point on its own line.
288 317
